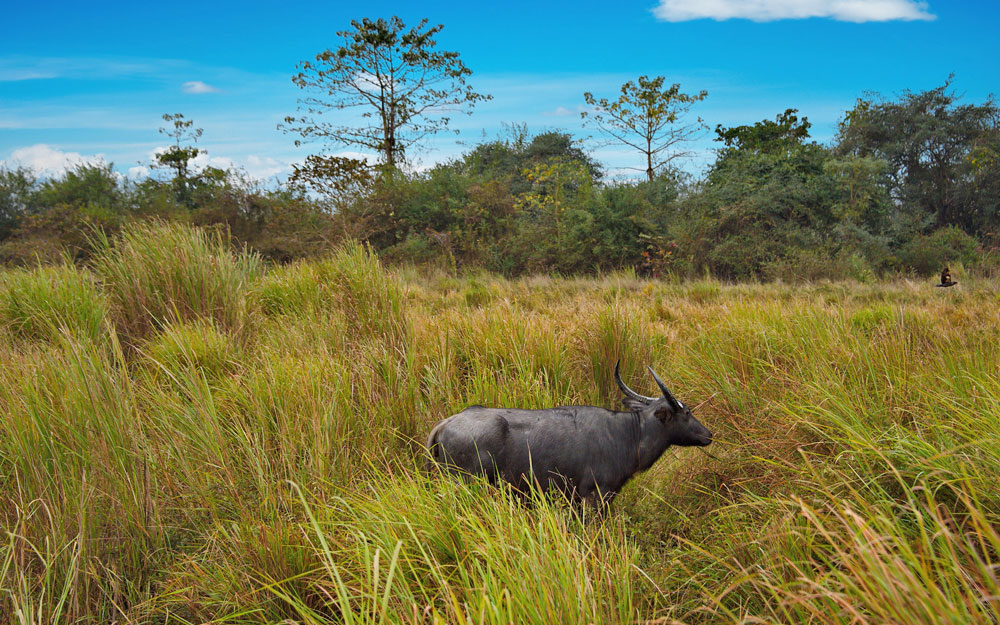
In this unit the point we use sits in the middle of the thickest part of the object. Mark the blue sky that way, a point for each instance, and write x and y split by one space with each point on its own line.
84 81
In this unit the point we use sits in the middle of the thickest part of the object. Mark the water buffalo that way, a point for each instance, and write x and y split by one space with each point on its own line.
588 453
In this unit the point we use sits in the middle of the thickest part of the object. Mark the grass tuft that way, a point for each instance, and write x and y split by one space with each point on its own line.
39 304
160 273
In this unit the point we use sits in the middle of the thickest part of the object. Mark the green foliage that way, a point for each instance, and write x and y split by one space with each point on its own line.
52 235
513 206
647 117
775 206
18 197
784 132
761 206
928 254
942 155
56 217
178 157
338 179
85 186
280 225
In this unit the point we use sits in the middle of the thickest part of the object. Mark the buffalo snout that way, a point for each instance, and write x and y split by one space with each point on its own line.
702 436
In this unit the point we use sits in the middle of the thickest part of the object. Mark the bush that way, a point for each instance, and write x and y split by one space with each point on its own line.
38 304
160 273
928 254
85 185
279 225
18 197
807 265
49 236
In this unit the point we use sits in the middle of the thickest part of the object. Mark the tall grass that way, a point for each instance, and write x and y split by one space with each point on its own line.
38 304
160 272
252 453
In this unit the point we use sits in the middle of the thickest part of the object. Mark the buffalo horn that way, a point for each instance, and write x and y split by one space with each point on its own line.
666 391
625 389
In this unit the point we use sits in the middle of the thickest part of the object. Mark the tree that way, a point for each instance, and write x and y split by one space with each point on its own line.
648 118
339 179
509 158
85 184
403 87
178 157
943 157
774 203
18 197
766 136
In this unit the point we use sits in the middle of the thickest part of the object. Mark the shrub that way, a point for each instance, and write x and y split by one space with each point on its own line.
49 236
18 197
159 273
928 254
279 225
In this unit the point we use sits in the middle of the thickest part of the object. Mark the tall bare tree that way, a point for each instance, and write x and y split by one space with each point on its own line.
404 88
647 117
178 157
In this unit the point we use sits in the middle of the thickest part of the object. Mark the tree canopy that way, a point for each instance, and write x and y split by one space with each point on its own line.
404 88
766 135
647 117
178 157
943 156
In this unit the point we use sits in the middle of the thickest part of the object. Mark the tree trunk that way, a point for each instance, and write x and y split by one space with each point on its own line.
649 158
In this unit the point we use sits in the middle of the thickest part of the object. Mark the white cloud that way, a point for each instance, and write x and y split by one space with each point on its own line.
137 172
47 161
255 166
562 111
20 67
769 10
197 86
371 159
264 166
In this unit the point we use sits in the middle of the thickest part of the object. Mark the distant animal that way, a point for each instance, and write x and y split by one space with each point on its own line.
946 279
587 453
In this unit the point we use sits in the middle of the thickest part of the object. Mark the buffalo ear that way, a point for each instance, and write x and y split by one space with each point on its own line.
665 413
633 405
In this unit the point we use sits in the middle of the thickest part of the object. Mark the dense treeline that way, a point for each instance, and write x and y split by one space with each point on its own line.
907 185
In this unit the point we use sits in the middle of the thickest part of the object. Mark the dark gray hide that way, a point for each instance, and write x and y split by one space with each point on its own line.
583 451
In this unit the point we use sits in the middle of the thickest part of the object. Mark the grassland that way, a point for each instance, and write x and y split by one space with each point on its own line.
189 436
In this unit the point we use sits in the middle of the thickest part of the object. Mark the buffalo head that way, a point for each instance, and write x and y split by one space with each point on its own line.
679 425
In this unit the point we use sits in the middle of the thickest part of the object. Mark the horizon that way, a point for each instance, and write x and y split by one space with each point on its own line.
81 84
